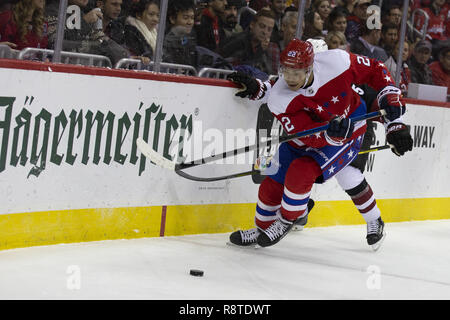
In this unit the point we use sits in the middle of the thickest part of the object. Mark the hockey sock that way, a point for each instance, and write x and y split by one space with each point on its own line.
269 199
298 183
364 200
355 185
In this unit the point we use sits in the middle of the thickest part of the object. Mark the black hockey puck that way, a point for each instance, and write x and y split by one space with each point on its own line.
196 273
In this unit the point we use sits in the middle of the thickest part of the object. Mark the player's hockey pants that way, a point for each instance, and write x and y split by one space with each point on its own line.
290 200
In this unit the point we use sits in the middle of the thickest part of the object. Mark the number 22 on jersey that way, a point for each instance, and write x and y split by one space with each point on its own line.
287 124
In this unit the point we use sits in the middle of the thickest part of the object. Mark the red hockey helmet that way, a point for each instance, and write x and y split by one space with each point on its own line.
297 55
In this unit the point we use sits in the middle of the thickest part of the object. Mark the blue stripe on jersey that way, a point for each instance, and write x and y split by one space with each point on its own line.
361 110
265 212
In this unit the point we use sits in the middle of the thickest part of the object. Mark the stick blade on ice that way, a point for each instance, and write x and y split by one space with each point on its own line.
153 156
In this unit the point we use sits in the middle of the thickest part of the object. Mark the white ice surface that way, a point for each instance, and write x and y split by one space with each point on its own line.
316 263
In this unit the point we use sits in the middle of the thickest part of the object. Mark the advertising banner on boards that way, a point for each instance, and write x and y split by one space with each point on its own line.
67 142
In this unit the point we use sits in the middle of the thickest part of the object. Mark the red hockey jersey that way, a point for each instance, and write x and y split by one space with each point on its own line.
438 24
331 93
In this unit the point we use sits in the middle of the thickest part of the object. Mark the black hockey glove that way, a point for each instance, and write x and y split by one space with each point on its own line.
251 88
338 130
397 134
390 100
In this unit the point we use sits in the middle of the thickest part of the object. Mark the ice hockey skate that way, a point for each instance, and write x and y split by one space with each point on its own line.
375 233
274 233
300 223
244 238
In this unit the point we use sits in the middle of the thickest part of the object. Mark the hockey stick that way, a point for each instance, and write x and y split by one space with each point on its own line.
253 171
159 160
386 146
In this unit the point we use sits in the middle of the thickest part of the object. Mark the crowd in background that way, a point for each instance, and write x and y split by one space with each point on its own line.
218 34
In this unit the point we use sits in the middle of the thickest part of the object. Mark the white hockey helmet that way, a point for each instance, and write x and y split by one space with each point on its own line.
319 45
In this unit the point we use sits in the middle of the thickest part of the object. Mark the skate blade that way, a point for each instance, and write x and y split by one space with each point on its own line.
298 228
377 246
250 246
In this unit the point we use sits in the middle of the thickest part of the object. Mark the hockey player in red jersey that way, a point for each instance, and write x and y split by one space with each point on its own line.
313 90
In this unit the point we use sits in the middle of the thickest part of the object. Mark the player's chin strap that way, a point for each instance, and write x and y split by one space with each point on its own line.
308 75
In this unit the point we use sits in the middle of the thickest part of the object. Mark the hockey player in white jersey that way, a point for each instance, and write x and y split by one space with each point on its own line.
313 90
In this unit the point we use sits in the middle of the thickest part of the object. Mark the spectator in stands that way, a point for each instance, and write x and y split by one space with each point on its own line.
277 7
288 28
88 38
141 28
113 26
210 33
438 13
86 32
346 6
250 47
113 23
180 42
440 69
230 18
393 16
367 44
337 20
391 65
24 25
323 8
313 26
200 6
420 72
389 37
336 40
4 6
181 16
439 21
357 20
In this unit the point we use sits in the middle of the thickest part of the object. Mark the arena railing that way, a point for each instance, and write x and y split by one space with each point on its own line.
66 57
214 73
423 32
136 64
